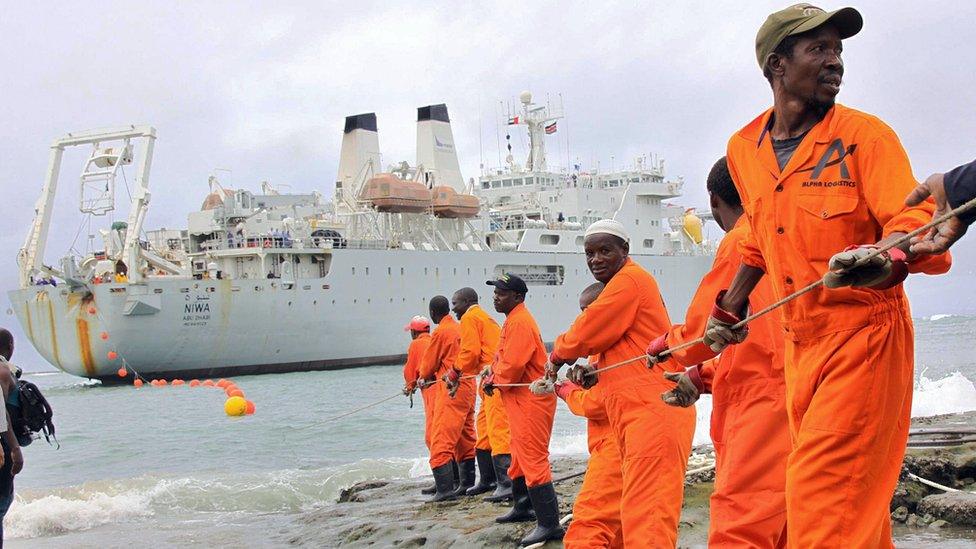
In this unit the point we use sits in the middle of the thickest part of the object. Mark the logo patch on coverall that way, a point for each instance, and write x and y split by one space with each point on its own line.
837 149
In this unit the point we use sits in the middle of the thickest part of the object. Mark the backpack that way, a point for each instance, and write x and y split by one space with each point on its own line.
32 416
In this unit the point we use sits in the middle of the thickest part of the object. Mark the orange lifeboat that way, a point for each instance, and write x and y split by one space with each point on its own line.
215 199
451 204
388 193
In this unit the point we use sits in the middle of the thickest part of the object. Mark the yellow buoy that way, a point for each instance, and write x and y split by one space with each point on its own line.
235 406
693 226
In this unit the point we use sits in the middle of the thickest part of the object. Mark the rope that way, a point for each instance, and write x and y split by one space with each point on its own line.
809 288
934 484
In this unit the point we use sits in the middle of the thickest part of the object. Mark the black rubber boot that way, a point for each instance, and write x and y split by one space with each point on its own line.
503 484
486 474
522 507
456 473
444 480
432 489
547 512
467 477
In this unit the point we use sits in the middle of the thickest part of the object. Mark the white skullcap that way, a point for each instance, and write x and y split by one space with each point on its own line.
608 226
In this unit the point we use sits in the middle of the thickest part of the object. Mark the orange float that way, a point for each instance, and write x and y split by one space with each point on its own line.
178 382
194 382
112 355
208 383
137 383
235 392
91 310
122 372
222 383
104 335
250 408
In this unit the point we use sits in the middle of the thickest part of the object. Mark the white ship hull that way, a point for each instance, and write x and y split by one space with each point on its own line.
181 328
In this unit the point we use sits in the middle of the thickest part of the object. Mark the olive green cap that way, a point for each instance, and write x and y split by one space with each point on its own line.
800 18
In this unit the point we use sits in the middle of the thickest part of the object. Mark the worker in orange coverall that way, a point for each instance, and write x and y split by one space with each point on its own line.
596 511
749 427
822 187
419 328
479 343
453 436
521 358
654 438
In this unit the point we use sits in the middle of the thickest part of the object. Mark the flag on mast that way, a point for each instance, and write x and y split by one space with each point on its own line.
512 120
551 128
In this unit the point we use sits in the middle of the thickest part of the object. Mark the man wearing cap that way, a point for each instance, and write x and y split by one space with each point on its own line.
521 358
748 506
479 343
452 440
654 438
419 328
822 185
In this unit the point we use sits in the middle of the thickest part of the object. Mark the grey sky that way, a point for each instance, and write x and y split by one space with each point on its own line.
262 89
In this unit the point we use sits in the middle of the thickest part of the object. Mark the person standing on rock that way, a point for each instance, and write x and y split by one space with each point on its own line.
596 510
654 438
479 343
419 328
748 505
521 358
823 186
453 427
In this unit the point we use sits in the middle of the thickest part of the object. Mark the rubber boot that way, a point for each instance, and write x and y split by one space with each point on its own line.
456 473
503 484
547 512
486 474
522 506
432 489
444 480
467 477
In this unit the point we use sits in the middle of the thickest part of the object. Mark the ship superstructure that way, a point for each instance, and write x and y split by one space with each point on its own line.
275 282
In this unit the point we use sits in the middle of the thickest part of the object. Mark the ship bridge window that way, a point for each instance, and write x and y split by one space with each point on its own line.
485 184
506 183
648 243
579 240
549 239
534 275
495 184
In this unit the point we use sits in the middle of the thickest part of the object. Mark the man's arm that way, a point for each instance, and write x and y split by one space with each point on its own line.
602 324
950 190
742 285
16 457
470 350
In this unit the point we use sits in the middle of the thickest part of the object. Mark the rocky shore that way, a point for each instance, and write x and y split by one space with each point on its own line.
391 514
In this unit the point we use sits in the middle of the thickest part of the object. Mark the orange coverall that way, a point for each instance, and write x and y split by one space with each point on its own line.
411 371
521 358
654 438
749 427
453 437
479 342
596 511
849 351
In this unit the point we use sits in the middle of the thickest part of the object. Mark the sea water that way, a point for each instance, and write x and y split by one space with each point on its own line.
166 466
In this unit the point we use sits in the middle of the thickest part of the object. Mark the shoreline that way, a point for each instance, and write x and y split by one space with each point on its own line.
392 512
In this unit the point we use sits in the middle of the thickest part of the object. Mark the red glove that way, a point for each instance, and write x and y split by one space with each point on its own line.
566 388
694 374
719 332
883 271
658 346
452 375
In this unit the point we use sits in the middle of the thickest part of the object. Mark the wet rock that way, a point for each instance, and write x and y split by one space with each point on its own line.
938 524
355 492
959 508
900 514
912 520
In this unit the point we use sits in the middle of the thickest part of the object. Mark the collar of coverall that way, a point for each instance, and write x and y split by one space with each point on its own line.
821 130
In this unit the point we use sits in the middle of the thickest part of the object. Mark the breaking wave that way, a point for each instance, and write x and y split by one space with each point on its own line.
92 504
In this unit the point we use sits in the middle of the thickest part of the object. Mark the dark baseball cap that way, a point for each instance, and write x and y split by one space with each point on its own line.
800 18
509 282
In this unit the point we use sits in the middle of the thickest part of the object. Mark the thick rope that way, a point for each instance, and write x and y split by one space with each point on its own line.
812 286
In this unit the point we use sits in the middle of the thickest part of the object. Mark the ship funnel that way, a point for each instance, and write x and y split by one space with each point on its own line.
435 148
359 158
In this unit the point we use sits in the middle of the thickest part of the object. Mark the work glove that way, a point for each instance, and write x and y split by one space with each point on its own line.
658 346
452 380
488 382
689 387
565 388
559 362
583 375
718 331
881 272
407 390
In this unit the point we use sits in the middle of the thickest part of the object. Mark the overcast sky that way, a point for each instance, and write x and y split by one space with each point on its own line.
261 89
